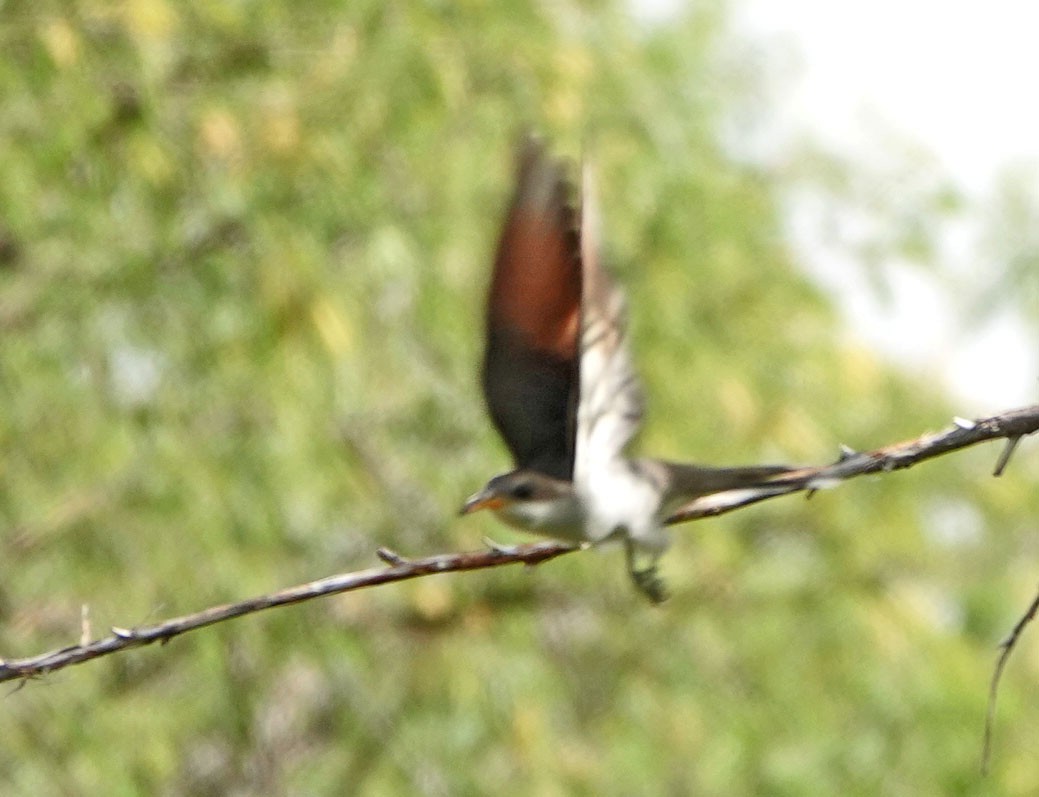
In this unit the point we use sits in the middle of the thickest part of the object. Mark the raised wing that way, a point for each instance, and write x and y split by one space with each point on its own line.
530 368
611 402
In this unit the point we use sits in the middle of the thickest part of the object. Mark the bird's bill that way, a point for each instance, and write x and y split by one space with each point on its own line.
485 499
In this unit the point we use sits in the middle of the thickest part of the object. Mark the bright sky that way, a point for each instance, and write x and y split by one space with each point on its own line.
959 80
959 77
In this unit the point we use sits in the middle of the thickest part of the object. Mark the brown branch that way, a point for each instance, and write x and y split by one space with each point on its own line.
398 569
1010 425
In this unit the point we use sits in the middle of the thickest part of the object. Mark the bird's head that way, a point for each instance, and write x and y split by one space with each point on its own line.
507 489
527 499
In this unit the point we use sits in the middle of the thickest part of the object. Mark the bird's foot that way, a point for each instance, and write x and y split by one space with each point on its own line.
650 584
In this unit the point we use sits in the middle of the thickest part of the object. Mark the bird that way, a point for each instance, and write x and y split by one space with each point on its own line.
562 391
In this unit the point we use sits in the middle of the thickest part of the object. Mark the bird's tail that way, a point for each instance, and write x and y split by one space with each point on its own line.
702 491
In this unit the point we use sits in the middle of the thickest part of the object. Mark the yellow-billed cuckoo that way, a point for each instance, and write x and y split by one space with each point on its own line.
563 393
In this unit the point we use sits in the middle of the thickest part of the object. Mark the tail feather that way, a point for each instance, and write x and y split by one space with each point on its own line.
695 480
697 492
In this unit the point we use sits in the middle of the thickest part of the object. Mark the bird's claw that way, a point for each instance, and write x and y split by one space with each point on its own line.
650 584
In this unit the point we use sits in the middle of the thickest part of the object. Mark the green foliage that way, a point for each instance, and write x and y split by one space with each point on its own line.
243 249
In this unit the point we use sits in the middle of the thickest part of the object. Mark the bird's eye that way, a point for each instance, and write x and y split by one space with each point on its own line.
522 491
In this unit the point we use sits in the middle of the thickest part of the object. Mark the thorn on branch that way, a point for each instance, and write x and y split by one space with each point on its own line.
963 423
1004 457
392 558
846 453
84 624
123 633
500 548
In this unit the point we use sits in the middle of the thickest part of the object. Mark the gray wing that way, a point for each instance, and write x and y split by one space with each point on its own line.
610 404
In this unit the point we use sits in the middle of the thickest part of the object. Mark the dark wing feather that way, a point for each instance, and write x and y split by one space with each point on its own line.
530 369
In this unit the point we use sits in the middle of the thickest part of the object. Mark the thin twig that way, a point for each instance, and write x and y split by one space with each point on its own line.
1006 647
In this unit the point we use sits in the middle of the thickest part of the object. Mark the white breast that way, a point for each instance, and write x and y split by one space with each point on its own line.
621 500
